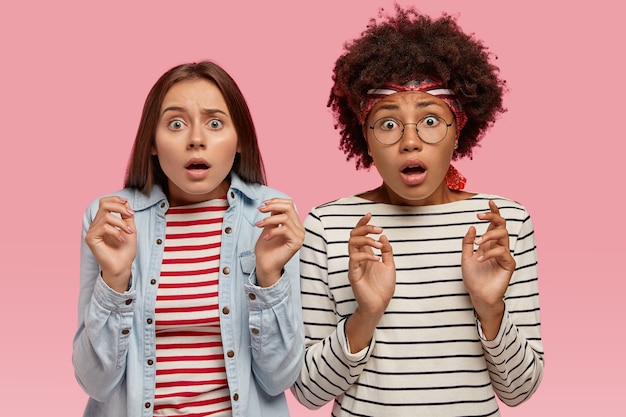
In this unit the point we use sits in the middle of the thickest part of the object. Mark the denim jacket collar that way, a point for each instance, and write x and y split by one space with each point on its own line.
143 201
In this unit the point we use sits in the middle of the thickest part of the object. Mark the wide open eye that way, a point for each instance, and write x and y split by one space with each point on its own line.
176 124
430 122
388 124
216 124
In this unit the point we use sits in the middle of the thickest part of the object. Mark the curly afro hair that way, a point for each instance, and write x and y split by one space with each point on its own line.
411 46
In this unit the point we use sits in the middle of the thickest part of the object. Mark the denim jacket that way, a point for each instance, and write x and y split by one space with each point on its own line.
114 346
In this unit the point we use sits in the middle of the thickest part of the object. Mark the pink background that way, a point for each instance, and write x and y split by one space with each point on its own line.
74 77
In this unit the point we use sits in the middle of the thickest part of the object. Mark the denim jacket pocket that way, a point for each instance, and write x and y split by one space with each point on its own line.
247 260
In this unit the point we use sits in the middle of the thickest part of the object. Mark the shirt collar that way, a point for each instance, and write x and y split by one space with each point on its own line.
142 201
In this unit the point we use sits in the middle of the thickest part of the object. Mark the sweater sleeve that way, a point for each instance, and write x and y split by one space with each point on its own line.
329 368
105 319
515 356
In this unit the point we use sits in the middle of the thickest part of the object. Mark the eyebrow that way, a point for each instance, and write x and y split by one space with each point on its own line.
183 109
419 105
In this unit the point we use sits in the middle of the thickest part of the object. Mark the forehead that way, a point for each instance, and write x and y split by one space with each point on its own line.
410 101
197 92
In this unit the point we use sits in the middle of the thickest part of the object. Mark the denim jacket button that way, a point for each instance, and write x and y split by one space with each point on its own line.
252 296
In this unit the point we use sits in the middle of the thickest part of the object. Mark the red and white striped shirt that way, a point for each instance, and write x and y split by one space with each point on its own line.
190 370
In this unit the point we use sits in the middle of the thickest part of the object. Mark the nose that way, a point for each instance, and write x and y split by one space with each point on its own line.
196 138
410 140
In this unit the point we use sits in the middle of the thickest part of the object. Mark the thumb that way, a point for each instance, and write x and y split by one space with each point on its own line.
468 243
386 251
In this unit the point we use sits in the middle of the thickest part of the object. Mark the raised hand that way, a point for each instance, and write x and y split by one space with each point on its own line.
488 269
281 238
373 281
373 278
112 239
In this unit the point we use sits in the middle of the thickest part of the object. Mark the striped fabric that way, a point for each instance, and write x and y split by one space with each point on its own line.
191 376
427 357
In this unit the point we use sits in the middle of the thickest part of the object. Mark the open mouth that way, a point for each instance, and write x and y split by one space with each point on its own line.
411 170
197 166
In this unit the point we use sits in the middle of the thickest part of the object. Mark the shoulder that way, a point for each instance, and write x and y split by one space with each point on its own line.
339 213
137 200
253 191
515 213
264 192
506 205
126 193
350 203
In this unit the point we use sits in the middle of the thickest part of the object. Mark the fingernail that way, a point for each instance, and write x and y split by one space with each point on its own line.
130 230
130 211
478 240
480 258
259 223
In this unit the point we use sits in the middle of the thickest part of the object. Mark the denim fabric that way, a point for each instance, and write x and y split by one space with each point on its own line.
114 346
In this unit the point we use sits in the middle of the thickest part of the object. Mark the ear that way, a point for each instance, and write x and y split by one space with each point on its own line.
369 152
153 150
367 142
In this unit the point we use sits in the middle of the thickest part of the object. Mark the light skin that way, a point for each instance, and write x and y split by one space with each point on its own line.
413 174
196 143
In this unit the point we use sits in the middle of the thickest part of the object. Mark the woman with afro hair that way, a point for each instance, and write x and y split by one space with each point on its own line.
419 298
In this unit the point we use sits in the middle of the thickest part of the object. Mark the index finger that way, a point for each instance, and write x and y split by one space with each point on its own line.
494 207
493 216
362 227
115 204
277 205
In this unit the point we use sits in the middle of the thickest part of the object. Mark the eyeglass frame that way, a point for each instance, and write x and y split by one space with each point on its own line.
445 122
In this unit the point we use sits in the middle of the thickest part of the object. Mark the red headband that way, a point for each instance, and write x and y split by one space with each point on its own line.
428 86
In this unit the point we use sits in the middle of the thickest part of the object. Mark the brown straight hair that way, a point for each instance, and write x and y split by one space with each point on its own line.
144 169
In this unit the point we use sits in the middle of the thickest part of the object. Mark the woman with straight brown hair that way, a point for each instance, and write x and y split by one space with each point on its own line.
189 298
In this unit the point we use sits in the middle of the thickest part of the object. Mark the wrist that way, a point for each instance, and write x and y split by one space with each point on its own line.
360 327
490 317
269 277
119 282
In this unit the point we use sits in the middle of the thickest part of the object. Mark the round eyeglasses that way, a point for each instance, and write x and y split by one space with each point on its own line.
431 129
